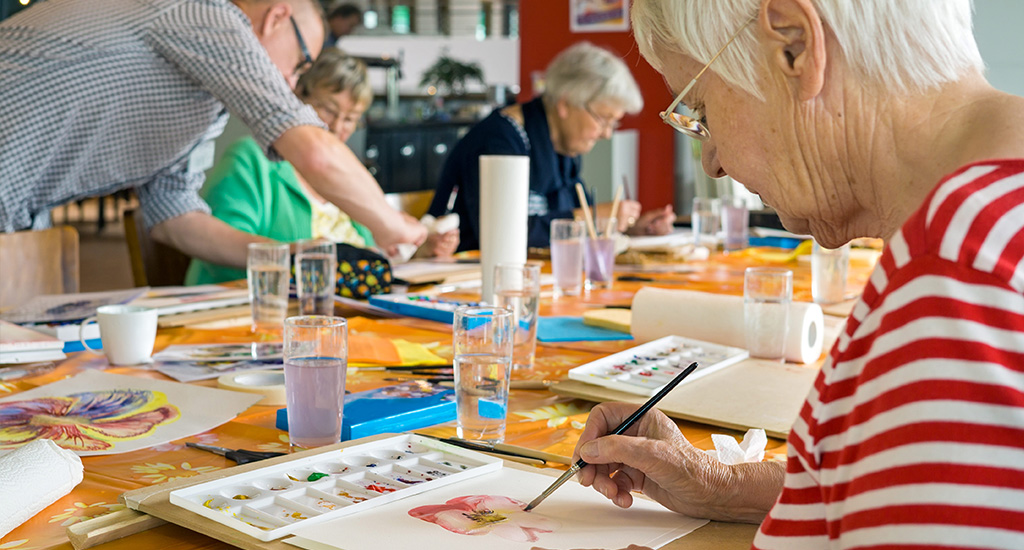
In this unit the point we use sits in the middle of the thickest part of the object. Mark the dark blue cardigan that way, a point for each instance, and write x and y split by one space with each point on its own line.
553 177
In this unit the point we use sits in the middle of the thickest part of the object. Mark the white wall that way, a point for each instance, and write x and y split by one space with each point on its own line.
998 30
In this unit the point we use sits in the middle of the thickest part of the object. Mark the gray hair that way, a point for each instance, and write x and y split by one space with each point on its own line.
584 73
335 71
905 45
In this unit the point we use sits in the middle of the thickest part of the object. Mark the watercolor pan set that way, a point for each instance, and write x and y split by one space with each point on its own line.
645 369
421 306
271 502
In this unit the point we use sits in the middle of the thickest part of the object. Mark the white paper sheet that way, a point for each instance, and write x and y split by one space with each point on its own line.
98 413
579 517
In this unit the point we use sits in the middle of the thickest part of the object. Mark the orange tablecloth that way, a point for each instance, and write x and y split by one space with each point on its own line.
538 419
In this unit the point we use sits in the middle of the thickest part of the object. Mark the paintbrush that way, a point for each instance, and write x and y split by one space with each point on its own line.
580 464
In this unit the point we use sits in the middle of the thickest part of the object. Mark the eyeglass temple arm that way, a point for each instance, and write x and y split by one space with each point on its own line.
686 90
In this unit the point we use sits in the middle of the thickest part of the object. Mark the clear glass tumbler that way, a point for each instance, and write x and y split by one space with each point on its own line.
767 293
517 289
829 267
482 343
567 256
267 273
735 224
315 362
704 220
316 265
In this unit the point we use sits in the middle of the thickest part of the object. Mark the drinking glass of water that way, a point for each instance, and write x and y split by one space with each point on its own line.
735 224
267 273
567 256
482 342
829 267
704 219
767 293
315 361
517 289
315 271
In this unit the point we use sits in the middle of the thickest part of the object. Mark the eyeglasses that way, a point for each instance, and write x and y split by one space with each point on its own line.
696 127
331 114
604 122
307 60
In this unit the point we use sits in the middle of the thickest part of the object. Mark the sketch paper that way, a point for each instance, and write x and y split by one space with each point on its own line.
98 413
572 517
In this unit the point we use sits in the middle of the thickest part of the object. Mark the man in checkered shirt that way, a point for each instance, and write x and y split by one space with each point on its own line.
102 95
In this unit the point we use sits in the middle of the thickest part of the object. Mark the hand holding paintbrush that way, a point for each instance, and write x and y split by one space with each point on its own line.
621 428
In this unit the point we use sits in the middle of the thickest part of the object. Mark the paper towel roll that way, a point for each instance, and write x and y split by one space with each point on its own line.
504 195
33 477
718 318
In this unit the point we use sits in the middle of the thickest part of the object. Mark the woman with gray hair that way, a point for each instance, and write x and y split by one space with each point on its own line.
588 91
868 118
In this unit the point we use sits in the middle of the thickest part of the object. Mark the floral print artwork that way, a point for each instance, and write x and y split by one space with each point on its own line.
485 514
86 421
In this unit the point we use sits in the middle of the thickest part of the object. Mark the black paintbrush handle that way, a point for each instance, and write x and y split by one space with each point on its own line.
629 421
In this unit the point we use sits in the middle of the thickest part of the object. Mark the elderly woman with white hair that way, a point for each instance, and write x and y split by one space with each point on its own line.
587 92
868 118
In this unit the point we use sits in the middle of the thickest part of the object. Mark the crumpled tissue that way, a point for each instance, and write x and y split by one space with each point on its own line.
751 449
40 473
443 224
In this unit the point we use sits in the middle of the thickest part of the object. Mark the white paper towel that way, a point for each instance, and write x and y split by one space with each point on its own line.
504 195
33 477
751 449
718 318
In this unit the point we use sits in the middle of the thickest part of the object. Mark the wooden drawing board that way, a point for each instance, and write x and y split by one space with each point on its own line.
155 501
749 394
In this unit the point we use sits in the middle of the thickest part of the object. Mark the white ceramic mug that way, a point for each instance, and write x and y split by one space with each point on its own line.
127 333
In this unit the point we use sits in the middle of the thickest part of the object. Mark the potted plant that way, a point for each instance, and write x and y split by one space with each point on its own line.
450 76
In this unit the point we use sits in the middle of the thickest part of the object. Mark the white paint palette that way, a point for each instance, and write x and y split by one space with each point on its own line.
271 502
645 369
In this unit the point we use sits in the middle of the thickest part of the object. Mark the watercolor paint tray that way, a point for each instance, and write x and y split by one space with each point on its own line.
268 503
645 369
421 306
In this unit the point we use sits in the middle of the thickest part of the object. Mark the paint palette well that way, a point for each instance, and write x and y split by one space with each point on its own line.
645 369
271 502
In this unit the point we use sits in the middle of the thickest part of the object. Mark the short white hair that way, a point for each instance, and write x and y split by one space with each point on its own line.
584 73
905 45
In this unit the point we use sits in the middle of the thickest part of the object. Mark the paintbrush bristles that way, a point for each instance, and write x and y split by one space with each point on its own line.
586 211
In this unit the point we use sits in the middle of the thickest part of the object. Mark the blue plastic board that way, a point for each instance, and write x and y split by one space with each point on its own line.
391 409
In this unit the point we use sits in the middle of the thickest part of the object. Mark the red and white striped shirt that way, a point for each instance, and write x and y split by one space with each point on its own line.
913 434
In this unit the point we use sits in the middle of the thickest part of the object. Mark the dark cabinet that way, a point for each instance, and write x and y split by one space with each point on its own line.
410 157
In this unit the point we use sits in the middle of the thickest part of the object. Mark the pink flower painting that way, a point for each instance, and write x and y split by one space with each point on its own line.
86 421
482 514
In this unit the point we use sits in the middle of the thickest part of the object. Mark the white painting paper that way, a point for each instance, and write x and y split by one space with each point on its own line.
98 413
572 517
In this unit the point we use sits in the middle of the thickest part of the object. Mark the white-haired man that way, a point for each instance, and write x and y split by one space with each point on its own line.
868 118
103 96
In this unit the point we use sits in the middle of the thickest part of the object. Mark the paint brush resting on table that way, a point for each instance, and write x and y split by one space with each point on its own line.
626 424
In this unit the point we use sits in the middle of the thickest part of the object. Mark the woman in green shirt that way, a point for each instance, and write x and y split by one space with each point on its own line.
257 195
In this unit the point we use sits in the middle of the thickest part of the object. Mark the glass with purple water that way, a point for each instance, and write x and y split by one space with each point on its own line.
315 361
599 255
567 256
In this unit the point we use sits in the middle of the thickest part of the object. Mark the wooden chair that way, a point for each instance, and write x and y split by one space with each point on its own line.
37 262
415 203
153 263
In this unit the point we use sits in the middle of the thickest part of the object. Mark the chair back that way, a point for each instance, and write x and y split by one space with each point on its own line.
153 263
414 203
33 263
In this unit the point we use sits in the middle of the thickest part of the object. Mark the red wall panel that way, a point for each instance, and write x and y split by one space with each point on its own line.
544 31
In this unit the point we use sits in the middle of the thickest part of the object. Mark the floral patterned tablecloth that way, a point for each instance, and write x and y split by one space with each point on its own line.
538 419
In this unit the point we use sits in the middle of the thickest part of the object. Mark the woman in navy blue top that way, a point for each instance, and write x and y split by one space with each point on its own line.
588 90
